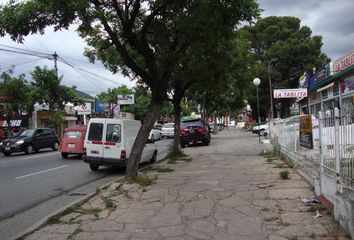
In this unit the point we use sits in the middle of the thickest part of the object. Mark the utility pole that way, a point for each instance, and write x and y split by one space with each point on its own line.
55 58
270 92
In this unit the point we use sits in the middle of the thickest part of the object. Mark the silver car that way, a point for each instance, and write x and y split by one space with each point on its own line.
168 130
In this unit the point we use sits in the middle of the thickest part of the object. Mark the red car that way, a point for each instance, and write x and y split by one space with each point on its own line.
73 141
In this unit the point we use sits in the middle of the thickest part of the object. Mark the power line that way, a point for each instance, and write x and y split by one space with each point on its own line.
20 64
24 50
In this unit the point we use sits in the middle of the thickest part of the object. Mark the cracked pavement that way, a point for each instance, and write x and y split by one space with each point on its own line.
228 191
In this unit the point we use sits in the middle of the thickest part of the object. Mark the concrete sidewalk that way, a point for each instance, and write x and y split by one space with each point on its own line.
228 191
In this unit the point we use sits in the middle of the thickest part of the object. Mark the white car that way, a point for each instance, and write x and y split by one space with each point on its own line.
155 134
168 130
260 129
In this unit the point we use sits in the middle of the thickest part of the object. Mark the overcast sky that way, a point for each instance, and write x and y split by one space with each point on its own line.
332 19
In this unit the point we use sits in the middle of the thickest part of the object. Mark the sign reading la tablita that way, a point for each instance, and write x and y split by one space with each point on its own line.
290 93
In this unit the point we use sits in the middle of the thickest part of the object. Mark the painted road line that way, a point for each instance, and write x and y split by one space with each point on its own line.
35 173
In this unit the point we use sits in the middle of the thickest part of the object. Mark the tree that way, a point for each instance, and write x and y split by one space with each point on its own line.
143 39
15 96
288 49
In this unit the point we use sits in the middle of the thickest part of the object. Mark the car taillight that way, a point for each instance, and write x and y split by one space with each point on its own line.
201 130
123 155
182 131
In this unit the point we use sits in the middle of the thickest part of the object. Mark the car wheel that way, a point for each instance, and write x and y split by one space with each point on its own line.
7 154
206 142
154 156
261 133
183 144
94 167
36 150
56 146
64 155
29 149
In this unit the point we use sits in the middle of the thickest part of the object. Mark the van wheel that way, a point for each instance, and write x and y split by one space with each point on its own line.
7 154
94 167
56 146
154 156
29 149
64 155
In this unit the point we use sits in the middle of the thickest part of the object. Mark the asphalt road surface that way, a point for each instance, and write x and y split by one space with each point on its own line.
33 186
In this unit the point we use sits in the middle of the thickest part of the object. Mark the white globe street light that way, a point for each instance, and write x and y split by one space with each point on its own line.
256 82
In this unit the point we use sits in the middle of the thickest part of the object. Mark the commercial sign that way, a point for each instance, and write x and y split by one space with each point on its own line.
14 123
125 99
99 106
344 62
306 139
290 93
84 109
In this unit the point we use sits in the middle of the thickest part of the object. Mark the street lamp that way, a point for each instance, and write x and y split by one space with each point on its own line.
256 82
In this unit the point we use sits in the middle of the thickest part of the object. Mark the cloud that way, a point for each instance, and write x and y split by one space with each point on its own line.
333 20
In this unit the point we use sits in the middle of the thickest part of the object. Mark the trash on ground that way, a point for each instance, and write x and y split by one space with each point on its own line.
264 185
318 215
310 201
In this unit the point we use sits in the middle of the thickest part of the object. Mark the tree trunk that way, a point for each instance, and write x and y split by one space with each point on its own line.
140 141
177 112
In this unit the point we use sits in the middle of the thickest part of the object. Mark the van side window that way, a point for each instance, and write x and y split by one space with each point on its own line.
95 132
113 133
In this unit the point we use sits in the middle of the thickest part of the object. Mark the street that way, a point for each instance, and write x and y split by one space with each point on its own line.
33 186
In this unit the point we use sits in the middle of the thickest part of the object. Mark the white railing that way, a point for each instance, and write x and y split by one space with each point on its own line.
333 146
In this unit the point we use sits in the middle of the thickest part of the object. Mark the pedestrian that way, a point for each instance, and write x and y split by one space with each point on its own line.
329 117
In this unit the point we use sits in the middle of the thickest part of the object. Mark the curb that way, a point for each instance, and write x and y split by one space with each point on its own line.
73 204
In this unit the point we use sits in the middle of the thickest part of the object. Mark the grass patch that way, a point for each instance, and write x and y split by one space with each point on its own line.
98 190
96 211
105 187
54 220
144 180
109 203
284 174
163 169
269 159
286 224
77 231
320 207
292 238
186 159
171 161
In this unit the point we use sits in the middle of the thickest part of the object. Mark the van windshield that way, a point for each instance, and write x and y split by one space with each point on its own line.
113 133
95 132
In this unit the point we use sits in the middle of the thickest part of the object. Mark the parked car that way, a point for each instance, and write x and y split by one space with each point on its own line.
155 134
110 141
30 140
260 129
168 130
73 141
193 131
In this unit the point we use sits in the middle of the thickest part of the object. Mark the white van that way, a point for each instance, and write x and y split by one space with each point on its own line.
110 141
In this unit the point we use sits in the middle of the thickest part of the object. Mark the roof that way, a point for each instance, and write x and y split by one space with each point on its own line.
84 95
332 78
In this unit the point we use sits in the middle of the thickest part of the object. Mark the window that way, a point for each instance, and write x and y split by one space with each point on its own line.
324 94
48 131
73 134
113 133
336 89
95 132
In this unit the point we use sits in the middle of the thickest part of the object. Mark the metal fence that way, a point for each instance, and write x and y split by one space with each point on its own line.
331 159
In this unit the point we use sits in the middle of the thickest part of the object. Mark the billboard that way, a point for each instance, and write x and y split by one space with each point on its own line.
84 109
125 99
290 93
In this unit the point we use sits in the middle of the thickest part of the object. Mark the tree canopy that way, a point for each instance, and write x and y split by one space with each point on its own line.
288 48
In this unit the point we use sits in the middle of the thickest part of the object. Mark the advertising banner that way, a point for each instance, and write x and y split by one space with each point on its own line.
126 99
290 93
99 106
84 109
306 139
15 123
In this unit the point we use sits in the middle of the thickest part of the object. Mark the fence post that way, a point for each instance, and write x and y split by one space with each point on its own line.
295 137
320 119
337 147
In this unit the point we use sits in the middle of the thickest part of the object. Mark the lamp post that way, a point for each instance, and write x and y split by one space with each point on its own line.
256 82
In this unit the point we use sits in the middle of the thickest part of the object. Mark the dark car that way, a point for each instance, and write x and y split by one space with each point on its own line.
30 140
193 131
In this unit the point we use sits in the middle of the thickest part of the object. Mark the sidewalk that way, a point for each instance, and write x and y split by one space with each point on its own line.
227 192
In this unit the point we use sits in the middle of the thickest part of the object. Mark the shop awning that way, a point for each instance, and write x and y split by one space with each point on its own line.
325 87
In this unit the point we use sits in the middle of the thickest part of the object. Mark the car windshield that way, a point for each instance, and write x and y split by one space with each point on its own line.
168 125
27 133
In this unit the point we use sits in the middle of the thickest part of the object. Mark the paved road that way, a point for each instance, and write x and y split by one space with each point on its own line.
33 186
